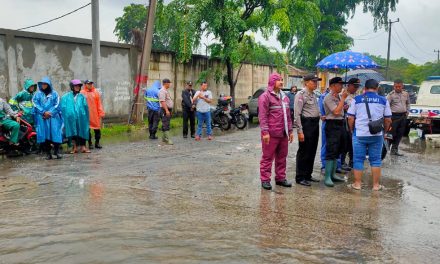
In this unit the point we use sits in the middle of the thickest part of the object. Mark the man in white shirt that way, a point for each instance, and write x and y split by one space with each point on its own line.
202 100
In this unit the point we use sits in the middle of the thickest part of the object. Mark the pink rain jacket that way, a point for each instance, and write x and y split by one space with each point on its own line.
273 111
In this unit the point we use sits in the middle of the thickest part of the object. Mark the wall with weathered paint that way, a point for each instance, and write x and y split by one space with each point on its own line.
32 55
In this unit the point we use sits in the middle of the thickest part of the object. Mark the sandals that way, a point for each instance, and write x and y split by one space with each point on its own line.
86 151
74 151
380 188
351 186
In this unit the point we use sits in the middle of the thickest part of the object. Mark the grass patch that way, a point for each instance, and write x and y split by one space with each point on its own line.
119 129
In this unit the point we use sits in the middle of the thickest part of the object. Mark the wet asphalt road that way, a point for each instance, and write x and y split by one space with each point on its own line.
199 202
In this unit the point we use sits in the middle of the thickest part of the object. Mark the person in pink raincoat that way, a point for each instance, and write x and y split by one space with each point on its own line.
276 132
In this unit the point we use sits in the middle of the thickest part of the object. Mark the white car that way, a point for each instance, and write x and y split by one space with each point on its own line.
425 113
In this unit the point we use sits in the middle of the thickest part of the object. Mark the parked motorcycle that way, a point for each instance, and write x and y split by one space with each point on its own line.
220 116
27 140
239 117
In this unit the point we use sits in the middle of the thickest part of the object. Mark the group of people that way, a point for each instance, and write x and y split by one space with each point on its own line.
54 118
194 104
354 123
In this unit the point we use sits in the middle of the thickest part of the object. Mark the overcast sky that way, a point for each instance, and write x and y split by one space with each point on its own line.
415 37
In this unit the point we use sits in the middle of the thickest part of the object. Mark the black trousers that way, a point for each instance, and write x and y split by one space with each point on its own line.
166 120
188 114
398 127
47 147
305 157
292 115
348 145
153 121
334 139
97 136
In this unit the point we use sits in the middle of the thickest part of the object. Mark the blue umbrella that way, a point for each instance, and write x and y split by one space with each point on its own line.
347 60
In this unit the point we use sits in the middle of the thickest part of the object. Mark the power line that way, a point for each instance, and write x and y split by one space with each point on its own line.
365 34
407 50
371 37
404 49
415 43
71 12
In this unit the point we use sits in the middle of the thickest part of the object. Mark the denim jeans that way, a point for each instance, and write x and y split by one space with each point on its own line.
367 145
201 118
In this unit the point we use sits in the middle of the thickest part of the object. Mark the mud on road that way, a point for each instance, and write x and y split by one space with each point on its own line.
195 202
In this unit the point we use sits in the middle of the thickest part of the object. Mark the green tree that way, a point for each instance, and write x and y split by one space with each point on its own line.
408 72
331 35
174 29
231 22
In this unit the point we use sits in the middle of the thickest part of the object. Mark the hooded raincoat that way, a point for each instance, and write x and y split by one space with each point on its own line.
96 111
23 101
274 116
76 115
152 97
50 128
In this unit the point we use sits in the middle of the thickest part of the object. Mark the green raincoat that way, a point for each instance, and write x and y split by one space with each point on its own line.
23 101
75 113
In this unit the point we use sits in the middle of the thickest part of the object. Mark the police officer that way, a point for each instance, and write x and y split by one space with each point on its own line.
307 125
400 106
334 129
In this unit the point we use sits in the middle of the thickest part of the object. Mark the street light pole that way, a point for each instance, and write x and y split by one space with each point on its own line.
390 24
438 55
96 46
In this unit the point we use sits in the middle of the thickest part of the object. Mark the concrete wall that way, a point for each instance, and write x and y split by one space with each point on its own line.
31 55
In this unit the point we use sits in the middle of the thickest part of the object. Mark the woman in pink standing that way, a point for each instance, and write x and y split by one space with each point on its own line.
276 132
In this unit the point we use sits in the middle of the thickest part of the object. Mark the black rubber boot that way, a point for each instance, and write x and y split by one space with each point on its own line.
56 151
97 145
47 148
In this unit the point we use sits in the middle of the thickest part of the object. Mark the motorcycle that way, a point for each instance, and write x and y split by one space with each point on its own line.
27 140
220 115
239 117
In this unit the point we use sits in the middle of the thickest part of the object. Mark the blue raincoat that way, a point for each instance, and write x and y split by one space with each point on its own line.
76 115
47 129
152 96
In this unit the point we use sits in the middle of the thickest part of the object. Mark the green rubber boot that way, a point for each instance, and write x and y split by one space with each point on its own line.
166 138
329 165
335 177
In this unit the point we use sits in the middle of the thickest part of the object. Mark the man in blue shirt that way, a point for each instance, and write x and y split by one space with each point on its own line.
153 107
365 143
291 96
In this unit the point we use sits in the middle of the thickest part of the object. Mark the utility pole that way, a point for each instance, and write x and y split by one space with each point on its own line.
390 24
96 46
145 61
438 55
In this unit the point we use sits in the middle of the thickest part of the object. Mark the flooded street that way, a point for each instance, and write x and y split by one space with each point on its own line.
136 201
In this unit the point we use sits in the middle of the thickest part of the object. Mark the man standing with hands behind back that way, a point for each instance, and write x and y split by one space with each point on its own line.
307 125
166 107
188 110
400 106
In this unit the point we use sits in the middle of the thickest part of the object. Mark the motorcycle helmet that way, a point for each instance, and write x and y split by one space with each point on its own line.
74 83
